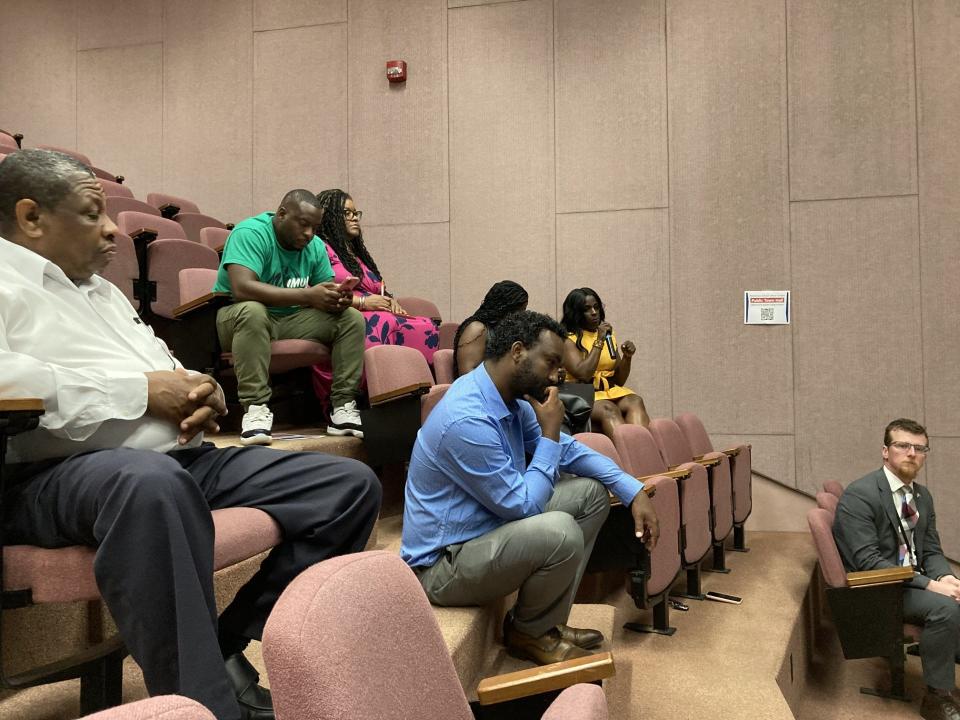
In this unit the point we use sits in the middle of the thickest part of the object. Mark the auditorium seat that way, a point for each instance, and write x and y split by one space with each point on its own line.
9 142
115 189
828 501
33 575
186 212
866 606
106 174
676 451
170 205
650 574
641 456
72 153
741 472
443 366
166 257
833 487
214 237
448 331
383 657
429 401
123 270
161 707
117 204
420 307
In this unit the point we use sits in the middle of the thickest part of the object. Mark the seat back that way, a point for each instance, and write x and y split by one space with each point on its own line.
394 370
214 237
159 200
665 557
833 487
193 223
673 446
695 433
166 257
123 270
196 282
378 631
598 442
130 222
8 143
639 450
443 366
448 331
828 501
117 204
821 527
112 188
419 306
72 153
105 174
429 401
161 707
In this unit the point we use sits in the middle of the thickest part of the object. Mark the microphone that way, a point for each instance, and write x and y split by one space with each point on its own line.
608 339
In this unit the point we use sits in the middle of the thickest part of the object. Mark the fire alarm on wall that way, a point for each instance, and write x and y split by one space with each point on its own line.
396 71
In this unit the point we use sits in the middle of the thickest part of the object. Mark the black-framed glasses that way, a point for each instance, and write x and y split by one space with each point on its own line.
905 447
353 214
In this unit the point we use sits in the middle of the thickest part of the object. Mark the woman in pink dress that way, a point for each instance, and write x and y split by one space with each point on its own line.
387 322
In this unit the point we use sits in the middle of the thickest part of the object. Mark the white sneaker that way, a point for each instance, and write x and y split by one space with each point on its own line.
256 426
345 420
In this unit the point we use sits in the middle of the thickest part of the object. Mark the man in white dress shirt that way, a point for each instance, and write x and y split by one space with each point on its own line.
119 462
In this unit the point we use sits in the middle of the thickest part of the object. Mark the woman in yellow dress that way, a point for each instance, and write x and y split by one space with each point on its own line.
591 354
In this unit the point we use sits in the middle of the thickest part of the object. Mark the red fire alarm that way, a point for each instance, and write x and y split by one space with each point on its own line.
396 71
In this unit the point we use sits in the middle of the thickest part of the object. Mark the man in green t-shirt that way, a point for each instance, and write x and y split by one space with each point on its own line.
280 278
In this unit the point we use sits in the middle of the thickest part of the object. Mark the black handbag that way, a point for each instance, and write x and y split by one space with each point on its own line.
576 413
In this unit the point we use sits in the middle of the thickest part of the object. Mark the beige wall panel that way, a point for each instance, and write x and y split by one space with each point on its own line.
501 152
728 209
299 136
852 99
414 260
636 293
116 23
941 478
277 14
470 3
772 455
398 132
856 336
611 105
130 78
938 56
38 49
207 109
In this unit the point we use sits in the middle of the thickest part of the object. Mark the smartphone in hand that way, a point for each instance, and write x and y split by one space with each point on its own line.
349 284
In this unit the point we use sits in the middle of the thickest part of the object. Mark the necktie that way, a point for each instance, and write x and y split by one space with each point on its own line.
909 517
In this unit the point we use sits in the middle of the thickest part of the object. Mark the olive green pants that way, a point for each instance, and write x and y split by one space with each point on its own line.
246 329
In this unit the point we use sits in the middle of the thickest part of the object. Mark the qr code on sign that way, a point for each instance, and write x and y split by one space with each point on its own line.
766 314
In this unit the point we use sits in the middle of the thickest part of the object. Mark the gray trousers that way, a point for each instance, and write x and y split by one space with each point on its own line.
543 557
940 639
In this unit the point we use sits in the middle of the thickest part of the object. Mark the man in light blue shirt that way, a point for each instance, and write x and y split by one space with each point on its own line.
479 522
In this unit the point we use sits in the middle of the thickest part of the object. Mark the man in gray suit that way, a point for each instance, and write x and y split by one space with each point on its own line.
885 519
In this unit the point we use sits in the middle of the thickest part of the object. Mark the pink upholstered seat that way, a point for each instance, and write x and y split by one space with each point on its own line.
161 707
419 306
158 200
166 257
214 237
112 188
66 574
392 367
123 270
72 153
821 527
833 487
448 331
443 366
8 144
429 401
193 223
130 222
117 204
105 174
828 501
381 657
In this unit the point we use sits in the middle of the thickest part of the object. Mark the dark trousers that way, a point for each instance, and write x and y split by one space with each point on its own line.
148 515
940 639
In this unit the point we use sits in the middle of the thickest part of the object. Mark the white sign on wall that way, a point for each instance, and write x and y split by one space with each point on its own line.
766 307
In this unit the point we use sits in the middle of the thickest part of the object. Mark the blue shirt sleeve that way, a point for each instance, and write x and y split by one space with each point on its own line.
580 460
472 454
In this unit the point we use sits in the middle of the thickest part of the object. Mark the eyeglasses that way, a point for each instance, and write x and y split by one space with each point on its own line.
353 214
905 447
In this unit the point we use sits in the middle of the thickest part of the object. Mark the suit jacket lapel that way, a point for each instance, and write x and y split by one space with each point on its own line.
886 502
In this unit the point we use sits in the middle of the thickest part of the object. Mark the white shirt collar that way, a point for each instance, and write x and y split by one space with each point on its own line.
895 482
34 268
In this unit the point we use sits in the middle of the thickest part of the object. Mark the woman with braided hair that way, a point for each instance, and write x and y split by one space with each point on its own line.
503 298
387 322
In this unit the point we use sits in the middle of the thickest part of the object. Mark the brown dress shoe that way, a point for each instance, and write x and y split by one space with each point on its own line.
581 637
543 650
938 707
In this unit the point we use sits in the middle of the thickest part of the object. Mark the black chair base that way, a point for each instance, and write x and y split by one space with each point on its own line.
694 589
661 621
889 695
719 560
739 539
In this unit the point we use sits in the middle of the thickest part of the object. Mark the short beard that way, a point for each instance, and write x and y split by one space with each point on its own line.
526 382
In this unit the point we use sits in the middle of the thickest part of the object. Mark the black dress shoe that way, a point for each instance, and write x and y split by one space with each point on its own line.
938 707
255 701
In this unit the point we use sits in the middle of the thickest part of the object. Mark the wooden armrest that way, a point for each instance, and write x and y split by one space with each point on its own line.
169 210
420 388
880 576
546 678
731 452
216 299
679 473
707 463
144 235
21 405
